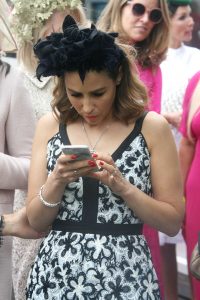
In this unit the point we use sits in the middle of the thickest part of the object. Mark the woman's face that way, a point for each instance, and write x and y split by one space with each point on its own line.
137 27
92 99
182 25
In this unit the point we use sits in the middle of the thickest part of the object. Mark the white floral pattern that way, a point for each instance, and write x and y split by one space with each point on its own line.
76 265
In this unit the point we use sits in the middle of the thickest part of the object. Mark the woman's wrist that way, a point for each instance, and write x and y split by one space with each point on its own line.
7 229
129 195
125 190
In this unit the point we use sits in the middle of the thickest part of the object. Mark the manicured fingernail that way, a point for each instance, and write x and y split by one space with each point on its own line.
91 163
94 155
74 156
101 163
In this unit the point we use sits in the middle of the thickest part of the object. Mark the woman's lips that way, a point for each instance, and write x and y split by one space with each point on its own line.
91 117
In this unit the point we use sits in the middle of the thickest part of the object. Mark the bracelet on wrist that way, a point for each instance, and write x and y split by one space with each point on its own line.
52 205
2 224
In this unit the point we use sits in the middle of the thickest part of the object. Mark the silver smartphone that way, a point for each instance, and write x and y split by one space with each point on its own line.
82 152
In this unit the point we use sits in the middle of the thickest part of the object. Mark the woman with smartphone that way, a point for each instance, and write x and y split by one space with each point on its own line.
96 249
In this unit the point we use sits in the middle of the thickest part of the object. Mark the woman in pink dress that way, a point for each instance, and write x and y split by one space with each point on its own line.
190 164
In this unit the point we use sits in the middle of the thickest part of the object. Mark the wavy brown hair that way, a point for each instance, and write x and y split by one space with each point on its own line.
152 50
130 100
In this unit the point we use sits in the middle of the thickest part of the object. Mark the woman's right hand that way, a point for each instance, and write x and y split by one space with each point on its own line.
68 169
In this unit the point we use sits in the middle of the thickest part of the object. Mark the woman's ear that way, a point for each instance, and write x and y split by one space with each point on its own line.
119 76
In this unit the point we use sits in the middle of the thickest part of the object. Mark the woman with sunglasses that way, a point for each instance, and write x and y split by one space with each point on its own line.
145 25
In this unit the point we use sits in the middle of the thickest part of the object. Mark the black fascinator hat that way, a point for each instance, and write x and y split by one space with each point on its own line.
78 50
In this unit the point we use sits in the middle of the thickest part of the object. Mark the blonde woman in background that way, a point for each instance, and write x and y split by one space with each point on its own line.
31 21
144 24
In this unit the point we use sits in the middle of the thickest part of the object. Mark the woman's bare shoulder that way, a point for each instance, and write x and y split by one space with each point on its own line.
155 128
48 125
48 119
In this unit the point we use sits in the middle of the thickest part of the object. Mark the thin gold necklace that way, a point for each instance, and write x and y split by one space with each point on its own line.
92 147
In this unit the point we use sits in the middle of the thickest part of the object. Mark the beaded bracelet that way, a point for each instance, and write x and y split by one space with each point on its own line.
44 201
2 223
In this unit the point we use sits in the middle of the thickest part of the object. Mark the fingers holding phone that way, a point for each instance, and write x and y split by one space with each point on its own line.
74 162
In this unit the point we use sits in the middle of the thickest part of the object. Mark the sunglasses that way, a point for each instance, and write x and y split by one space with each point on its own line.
138 10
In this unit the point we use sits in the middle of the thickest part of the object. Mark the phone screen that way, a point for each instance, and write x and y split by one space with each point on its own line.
82 152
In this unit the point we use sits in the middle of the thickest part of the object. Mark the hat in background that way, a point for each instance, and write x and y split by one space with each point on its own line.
7 41
28 15
180 2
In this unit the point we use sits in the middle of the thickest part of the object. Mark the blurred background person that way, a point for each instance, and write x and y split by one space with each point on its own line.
181 63
17 125
145 25
190 165
31 21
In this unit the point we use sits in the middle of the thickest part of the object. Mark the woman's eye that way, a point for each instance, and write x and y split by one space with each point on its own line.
76 95
182 18
98 94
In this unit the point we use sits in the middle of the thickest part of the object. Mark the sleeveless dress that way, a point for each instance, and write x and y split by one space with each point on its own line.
192 187
96 249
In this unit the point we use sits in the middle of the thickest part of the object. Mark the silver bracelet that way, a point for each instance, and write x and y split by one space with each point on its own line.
44 201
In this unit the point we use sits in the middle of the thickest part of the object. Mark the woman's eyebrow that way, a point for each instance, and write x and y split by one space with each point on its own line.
93 91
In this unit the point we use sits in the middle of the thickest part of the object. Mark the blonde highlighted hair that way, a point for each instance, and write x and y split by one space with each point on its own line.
151 51
25 54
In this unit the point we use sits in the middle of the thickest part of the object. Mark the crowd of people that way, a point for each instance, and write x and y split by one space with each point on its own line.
128 88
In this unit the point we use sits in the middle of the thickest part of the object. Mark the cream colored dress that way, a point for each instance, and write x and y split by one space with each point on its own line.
17 125
24 251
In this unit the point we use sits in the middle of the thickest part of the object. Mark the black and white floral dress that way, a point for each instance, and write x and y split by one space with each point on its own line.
96 249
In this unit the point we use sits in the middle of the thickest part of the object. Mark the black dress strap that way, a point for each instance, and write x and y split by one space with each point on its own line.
64 136
139 122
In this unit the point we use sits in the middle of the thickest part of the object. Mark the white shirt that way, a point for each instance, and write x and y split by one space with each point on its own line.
178 67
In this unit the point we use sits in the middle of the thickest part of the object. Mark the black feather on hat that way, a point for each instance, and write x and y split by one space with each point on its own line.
78 50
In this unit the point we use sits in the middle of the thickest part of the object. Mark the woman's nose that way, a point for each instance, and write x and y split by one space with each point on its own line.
191 22
87 105
145 17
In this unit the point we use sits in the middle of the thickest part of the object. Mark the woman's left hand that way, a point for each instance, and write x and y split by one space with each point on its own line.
110 175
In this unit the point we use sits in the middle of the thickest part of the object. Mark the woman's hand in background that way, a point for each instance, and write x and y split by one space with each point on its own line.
16 224
173 118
